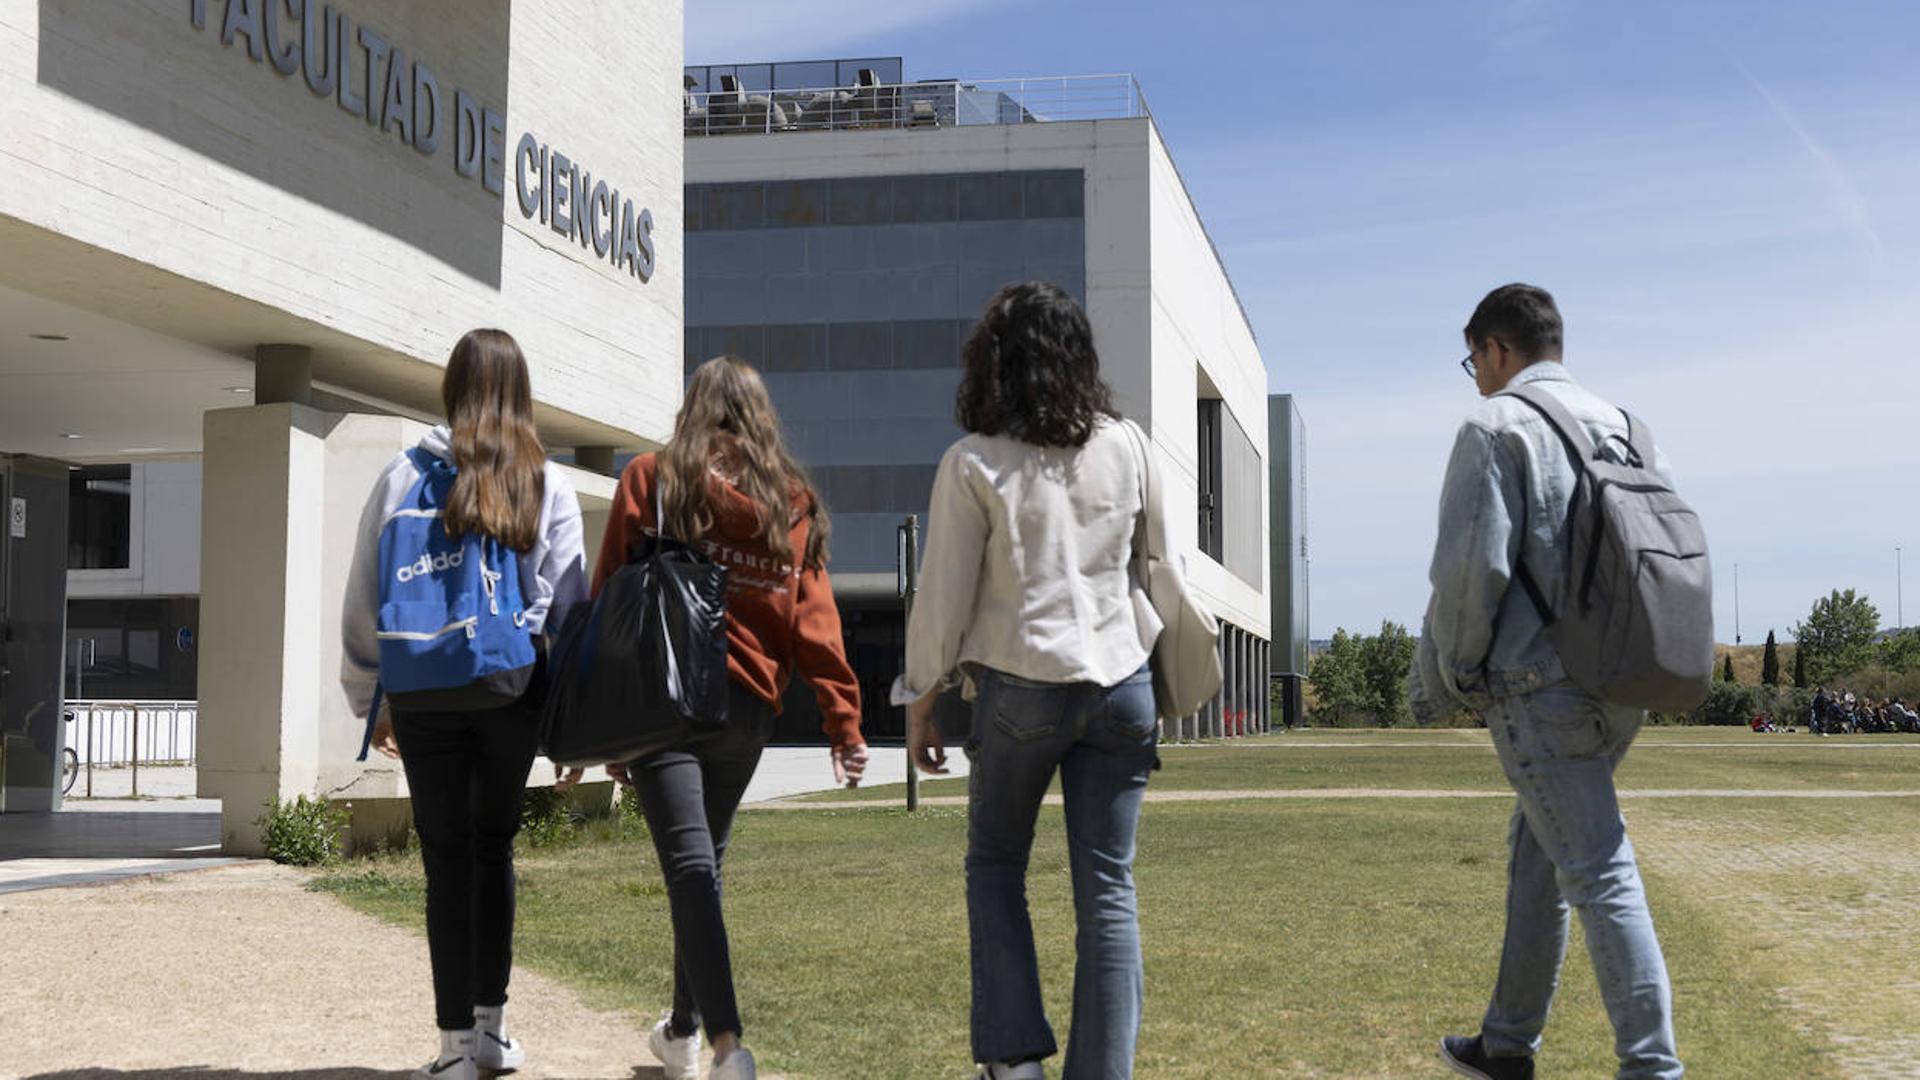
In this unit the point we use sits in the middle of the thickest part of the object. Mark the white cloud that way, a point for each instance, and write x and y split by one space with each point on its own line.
1843 194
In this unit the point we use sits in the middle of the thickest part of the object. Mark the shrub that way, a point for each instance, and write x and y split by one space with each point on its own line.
628 819
547 818
303 831
1882 684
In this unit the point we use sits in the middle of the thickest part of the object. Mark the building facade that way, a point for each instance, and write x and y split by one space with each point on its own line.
241 239
1287 435
843 238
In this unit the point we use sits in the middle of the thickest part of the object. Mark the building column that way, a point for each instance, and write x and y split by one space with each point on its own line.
260 548
282 373
594 458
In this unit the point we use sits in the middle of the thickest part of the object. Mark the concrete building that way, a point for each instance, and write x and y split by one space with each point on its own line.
844 227
1287 436
240 238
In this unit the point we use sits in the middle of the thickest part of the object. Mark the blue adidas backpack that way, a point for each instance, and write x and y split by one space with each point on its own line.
452 626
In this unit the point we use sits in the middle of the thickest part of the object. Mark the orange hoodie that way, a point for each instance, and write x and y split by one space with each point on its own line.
777 617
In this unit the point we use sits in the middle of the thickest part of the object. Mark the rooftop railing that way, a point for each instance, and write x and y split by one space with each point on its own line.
936 103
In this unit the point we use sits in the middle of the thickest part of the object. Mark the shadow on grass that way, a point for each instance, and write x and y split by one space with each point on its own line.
208 1072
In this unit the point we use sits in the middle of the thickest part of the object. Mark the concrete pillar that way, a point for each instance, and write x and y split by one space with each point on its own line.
282 373
594 459
260 680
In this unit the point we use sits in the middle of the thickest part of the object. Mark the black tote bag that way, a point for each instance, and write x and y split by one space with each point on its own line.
645 665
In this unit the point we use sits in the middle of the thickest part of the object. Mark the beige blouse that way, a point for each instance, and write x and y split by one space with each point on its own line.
1029 564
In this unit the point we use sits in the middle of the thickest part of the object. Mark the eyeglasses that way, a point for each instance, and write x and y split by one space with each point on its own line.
1472 369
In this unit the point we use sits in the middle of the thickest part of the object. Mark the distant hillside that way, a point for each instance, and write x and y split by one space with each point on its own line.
1747 660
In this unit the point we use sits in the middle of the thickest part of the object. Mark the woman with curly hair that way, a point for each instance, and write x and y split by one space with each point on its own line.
1028 595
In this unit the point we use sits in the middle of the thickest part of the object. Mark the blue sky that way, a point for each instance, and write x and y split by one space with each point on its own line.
1725 198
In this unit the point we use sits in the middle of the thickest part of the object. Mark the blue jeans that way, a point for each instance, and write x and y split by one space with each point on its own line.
1568 846
1102 740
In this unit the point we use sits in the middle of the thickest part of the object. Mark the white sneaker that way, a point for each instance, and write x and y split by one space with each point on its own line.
1026 1070
681 1057
450 1066
493 1048
738 1066
497 1052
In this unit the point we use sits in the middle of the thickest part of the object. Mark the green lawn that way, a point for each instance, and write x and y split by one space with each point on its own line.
1664 758
1297 938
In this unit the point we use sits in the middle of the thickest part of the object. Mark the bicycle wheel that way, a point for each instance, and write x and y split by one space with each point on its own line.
69 769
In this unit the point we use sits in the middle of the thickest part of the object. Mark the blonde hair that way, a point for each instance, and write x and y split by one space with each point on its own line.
727 398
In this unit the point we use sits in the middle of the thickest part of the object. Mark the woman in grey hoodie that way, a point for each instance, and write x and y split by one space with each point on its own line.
467 759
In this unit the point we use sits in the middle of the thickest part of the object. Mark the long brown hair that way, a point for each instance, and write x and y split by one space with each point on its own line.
726 397
502 479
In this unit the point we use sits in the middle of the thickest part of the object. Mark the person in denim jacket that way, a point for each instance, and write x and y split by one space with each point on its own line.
1485 649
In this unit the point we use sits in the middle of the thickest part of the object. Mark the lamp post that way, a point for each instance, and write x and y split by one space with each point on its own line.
1736 603
1899 590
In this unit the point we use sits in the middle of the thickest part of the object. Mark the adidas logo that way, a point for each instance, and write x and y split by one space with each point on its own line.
429 565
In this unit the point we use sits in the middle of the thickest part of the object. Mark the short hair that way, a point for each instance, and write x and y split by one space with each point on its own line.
1522 316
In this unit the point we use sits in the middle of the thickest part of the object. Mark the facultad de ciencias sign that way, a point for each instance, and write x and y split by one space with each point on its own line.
399 95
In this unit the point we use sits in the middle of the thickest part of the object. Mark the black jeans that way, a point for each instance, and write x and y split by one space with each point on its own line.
689 794
468 775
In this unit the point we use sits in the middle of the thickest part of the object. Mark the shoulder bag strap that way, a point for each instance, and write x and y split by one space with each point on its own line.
1148 516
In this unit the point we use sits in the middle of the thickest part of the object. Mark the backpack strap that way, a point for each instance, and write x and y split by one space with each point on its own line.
1640 439
373 716
1571 431
427 461
1580 450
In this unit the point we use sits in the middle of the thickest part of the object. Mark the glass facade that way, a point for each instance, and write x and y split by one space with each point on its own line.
852 295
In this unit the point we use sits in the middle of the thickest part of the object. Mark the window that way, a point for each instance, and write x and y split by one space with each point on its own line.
1208 457
100 518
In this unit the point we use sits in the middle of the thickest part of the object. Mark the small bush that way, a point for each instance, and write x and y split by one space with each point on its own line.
547 818
628 819
303 831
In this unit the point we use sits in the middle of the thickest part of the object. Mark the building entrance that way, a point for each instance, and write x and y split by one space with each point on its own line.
33 617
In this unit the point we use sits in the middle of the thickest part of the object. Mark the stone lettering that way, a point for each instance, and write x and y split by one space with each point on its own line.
317 53
244 18
426 109
284 54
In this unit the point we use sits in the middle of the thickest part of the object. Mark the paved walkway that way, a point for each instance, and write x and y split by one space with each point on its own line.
786 771
240 972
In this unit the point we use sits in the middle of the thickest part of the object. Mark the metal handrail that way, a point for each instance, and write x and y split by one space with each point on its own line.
116 733
923 104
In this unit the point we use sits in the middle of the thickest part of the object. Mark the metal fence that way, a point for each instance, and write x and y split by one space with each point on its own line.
734 110
110 734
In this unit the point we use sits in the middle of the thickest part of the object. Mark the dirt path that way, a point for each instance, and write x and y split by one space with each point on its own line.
241 972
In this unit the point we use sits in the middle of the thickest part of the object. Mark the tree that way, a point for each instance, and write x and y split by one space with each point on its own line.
1336 677
1726 670
1799 668
1386 658
1770 663
1901 652
1360 677
1837 637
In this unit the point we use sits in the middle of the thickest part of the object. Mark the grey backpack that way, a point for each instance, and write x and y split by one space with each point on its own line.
1633 623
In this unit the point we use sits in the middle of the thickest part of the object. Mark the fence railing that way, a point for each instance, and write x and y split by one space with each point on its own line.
733 110
118 733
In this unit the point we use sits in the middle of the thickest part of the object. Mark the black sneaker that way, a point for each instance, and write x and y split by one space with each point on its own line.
1468 1057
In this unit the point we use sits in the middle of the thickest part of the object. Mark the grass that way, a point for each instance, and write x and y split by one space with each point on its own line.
1458 760
1305 938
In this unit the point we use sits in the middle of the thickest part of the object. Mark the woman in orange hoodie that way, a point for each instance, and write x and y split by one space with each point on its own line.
728 485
